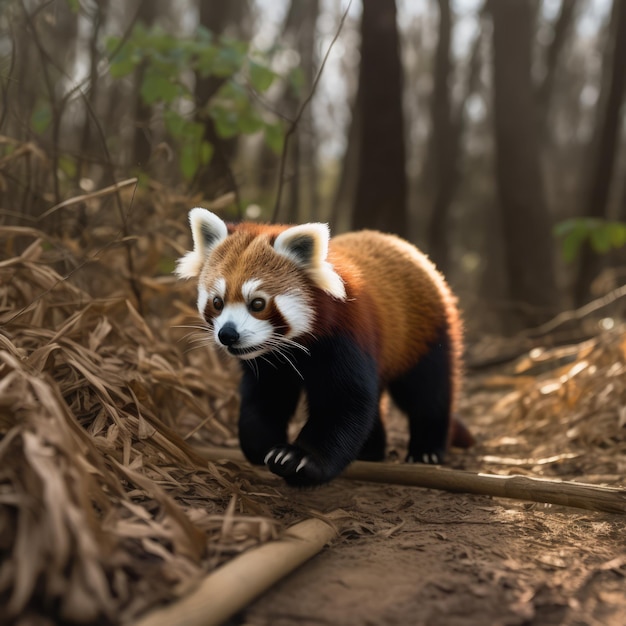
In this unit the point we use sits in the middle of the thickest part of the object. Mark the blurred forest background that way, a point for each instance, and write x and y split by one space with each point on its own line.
491 134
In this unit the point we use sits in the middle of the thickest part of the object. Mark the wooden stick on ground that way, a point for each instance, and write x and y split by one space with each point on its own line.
567 493
233 586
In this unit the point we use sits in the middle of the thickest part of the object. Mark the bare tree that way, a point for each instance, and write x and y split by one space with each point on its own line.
439 157
217 177
526 224
381 193
604 146
142 142
561 31
301 183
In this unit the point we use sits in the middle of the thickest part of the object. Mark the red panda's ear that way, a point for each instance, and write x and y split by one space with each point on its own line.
307 246
207 230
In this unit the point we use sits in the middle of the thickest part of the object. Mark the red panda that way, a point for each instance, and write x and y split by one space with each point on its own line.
339 319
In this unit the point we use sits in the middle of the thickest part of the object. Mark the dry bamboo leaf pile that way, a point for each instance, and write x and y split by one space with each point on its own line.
101 514
104 511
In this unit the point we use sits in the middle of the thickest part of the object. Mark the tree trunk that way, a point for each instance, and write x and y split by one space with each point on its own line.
381 194
217 176
301 177
440 171
562 28
142 141
604 148
525 220
345 192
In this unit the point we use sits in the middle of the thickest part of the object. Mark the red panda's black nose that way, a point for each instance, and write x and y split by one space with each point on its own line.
228 334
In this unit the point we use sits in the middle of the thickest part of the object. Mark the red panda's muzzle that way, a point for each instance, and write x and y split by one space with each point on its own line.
228 335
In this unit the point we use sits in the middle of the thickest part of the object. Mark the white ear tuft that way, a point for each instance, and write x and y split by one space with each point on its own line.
307 246
207 230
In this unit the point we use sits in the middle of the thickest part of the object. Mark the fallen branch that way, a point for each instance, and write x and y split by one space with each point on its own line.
565 493
233 586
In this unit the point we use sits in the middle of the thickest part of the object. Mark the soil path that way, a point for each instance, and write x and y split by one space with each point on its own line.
424 557
421 557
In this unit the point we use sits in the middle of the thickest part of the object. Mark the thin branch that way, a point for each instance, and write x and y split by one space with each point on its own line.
89 196
294 124
577 314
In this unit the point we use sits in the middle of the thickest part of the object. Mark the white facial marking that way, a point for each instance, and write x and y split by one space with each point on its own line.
220 287
203 298
294 308
253 332
249 288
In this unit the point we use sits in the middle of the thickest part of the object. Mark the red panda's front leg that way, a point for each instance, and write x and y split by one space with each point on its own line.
342 387
269 395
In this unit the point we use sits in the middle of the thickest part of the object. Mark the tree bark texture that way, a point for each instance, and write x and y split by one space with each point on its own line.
529 246
381 193
301 180
604 148
142 140
561 31
216 178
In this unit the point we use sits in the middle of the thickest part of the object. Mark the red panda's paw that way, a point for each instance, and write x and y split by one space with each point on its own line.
433 457
296 466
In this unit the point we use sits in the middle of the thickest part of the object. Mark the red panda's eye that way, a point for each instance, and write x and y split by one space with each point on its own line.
218 303
257 305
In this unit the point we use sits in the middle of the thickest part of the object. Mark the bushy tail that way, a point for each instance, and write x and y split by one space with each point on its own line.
460 436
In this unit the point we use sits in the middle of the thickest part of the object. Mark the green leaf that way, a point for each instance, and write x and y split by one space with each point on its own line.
174 123
601 239
261 77
67 165
204 35
617 232
565 227
74 5
41 119
228 60
205 60
157 87
250 123
122 67
274 137
189 161
226 122
296 79
206 152
572 243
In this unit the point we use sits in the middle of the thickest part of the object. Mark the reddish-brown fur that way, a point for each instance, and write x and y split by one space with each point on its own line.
397 302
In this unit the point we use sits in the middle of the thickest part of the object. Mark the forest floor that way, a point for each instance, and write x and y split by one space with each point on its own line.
424 557
107 512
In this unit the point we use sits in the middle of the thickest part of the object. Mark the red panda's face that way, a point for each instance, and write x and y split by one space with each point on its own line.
250 312
255 285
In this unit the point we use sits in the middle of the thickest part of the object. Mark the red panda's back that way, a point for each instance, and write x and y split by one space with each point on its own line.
412 302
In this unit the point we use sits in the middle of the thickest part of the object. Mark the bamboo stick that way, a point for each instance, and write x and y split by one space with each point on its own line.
566 493
233 586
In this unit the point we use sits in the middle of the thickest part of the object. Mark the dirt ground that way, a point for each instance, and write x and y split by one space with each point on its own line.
422 557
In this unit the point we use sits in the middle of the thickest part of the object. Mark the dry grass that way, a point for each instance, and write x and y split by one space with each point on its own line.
104 509
563 410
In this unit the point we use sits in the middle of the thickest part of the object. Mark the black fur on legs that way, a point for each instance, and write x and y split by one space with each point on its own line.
341 384
376 443
269 395
424 393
